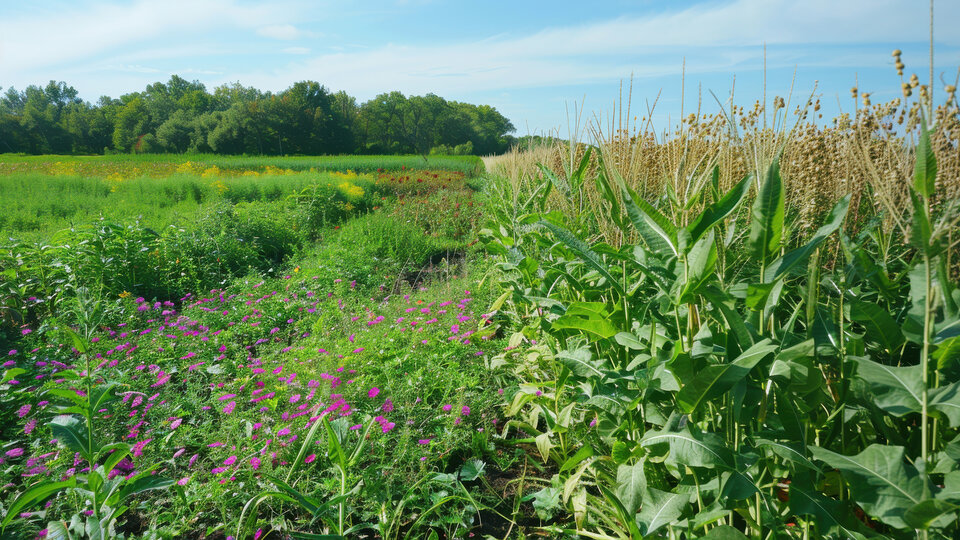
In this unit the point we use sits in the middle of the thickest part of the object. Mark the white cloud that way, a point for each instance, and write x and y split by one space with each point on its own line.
715 37
71 35
284 32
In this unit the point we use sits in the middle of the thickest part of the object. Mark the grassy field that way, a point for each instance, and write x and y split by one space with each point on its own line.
708 333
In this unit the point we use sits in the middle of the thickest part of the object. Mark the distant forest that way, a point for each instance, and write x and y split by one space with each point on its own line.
181 116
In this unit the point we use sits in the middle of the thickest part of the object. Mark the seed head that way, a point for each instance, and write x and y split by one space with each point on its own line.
896 53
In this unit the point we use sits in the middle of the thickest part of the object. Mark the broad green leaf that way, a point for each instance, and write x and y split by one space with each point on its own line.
896 390
880 325
766 225
701 260
629 340
101 395
67 430
880 480
736 485
587 255
654 228
925 168
718 211
79 343
951 487
34 495
688 446
145 482
782 265
922 515
716 379
946 400
93 528
631 483
583 453
806 501
581 362
787 452
920 229
660 508
947 353
733 319
544 445
10 374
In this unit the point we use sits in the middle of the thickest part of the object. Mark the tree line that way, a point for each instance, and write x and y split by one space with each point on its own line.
181 116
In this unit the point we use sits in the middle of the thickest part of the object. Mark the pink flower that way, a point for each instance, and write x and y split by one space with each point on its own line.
446 408
230 460
283 432
176 423
424 441
373 392
229 407
23 411
310 458
255 463
183 481
465 411
138 448
16 452
387 406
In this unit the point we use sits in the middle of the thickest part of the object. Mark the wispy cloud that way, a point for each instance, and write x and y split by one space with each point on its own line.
284 32
296 50
714 37
82 32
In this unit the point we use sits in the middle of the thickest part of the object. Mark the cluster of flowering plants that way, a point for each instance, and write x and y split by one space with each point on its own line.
222 391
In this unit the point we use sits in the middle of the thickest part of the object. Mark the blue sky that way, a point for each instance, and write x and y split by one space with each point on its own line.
531 60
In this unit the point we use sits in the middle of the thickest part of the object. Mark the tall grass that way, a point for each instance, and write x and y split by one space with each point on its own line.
865 152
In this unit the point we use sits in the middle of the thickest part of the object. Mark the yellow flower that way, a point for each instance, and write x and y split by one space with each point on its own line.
124 294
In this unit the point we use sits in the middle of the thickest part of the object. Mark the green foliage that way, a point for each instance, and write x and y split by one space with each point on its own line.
305 119
689 389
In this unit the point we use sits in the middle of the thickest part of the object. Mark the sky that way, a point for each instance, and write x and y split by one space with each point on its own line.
536 62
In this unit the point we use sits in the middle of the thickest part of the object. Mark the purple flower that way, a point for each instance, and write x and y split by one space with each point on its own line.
447 408
138 448
465 411
373 392
230 460
16 452
183 481
23 411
